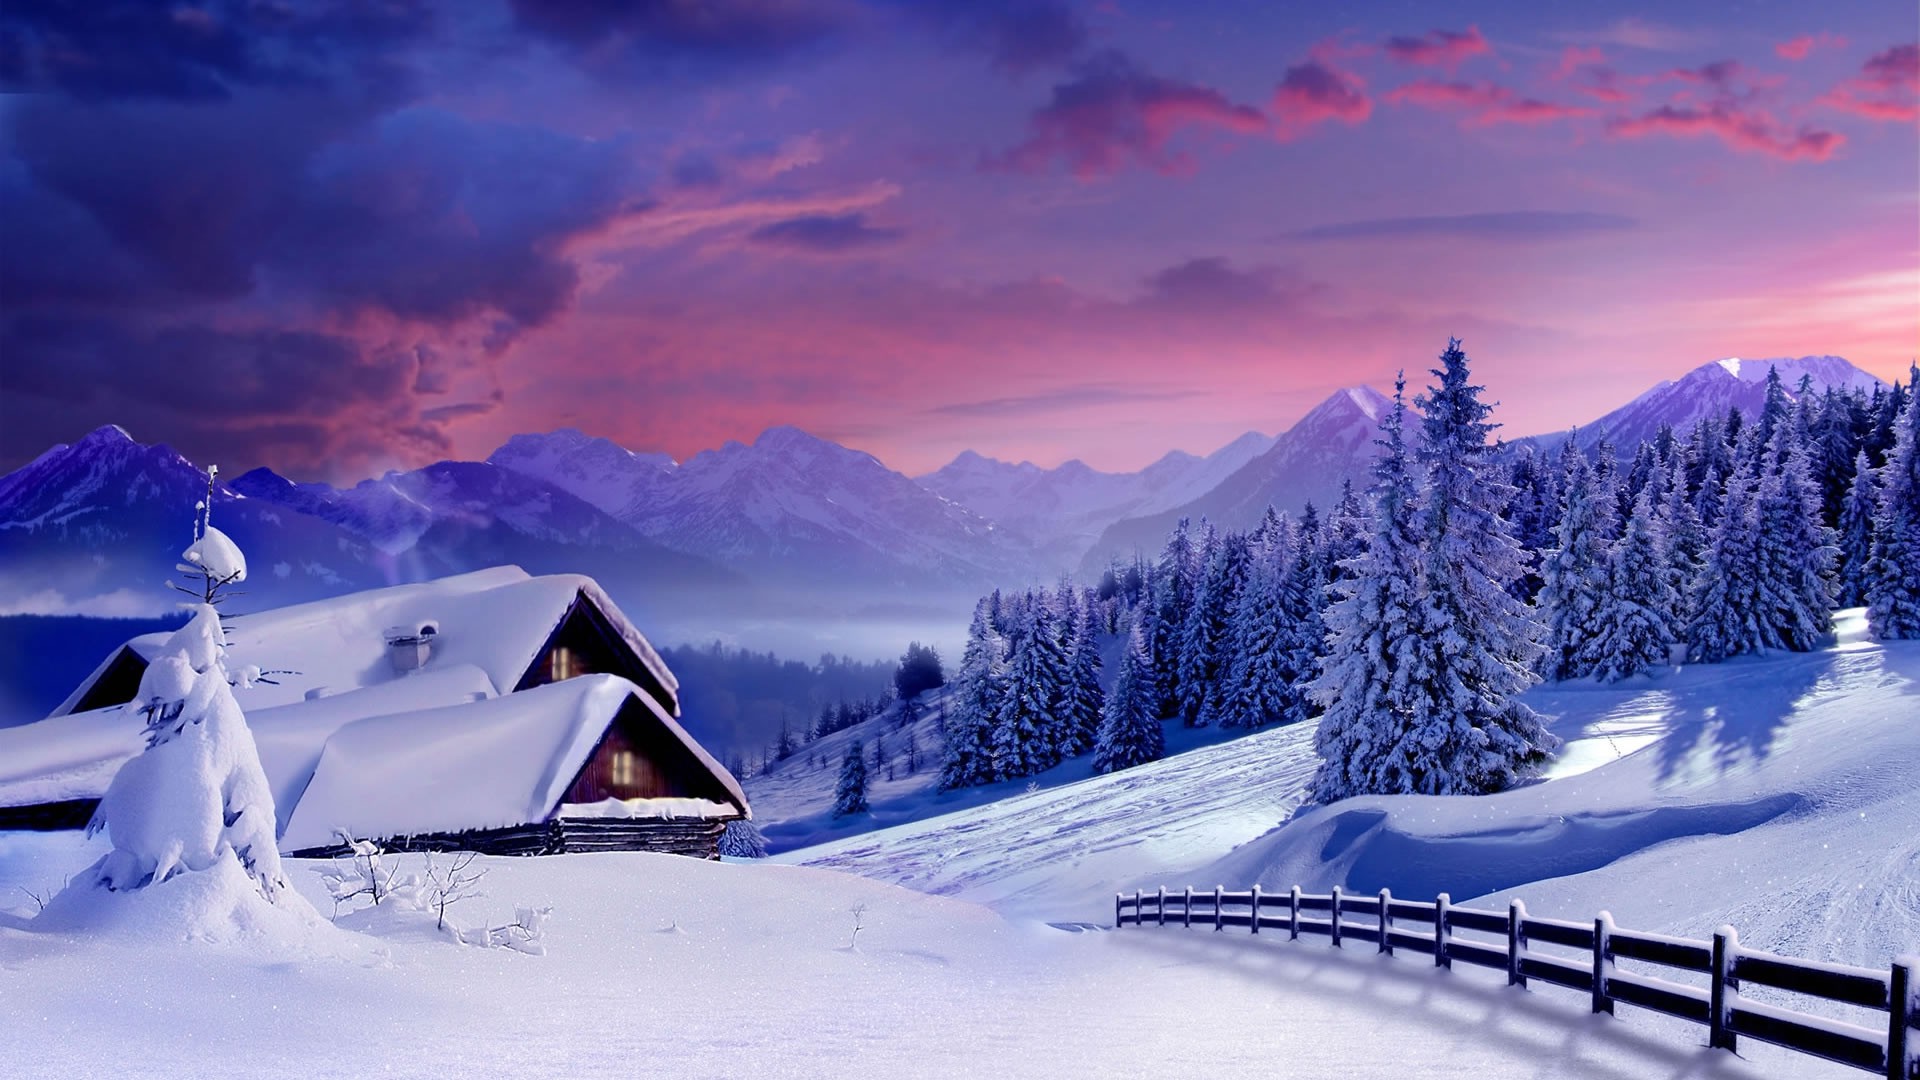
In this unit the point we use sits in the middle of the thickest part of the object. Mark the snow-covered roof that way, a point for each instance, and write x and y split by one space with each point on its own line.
496 620
490 764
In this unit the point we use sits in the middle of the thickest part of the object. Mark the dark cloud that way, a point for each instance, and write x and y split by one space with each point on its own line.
1516 224
119 49
1081 395
651 41
1112 113
1213 284
1441 48
1019 35
1316 92
1887 88
826 234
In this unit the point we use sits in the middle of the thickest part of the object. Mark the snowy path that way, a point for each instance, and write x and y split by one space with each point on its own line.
684 968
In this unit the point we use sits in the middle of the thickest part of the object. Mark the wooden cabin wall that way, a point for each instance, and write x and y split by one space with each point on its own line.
659 765
585 644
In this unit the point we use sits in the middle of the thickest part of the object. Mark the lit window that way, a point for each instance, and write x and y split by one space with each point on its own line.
623 768
564 664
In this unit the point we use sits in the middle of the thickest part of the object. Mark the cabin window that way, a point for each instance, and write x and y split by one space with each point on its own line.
564 664
623 770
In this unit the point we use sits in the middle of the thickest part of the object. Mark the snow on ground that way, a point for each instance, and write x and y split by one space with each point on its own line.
1773 793
689 968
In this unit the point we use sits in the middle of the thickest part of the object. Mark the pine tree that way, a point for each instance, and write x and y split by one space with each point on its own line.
850 792
1574 573
1727 597
1081 718
1855 538
1374 630
1203 628
1263 685
1893 570
1027 737
1130 732
1794 575
1633 625
973 705
1684 540
1173 588
1481 642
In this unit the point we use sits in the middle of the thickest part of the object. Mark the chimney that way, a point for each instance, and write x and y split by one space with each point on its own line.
410 649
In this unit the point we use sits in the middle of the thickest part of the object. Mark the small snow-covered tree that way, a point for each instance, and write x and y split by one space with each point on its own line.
1726 600
196 796
1203 633
1794 575
1632 627
1893 569
850 792
973 705
1130 732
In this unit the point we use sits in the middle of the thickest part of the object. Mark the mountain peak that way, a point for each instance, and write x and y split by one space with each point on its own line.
107 435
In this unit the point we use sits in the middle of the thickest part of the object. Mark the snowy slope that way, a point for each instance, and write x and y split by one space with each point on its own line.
1771 793
600 471
1711 390
1308 462
725 969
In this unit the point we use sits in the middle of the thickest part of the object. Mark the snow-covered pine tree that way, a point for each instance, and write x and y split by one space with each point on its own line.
1855 533
1130 727
973 705
1633 627
1684 540
1262 686
1303 597
1795 571
1172 589
1373 629
1573 572
1027 736
1727 598
1893 572
1080 721
1203 637
742 839
850 791
1481 642
196 799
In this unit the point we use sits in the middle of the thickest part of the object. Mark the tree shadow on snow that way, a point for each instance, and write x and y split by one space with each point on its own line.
1735 719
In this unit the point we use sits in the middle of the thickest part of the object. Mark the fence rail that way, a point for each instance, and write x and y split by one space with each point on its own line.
1888 1050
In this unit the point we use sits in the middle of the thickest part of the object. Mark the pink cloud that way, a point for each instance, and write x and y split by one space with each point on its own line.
1800 47
1113 113
1487 103
1749 131
1439 48
1885 89
1314 93
1575 57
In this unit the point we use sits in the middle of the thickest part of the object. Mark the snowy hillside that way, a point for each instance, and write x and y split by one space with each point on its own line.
600 471
1712 389
1330 445
1771 793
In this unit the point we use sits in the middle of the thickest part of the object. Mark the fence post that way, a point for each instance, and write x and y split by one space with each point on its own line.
1602 962
1386 921
1900 1018
1256 907
1161 905
1442 936
1293 914
1218 925
1336 916
1139 909
1117 899
1724 991
1516 943
1186 907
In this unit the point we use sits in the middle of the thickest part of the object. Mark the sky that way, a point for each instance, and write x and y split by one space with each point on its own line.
341 238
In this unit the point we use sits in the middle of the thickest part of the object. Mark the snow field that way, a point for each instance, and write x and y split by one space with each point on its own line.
687 968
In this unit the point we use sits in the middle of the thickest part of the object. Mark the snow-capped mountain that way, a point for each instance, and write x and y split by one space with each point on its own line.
600 471
1711 390
1062 511
1330 445
98 526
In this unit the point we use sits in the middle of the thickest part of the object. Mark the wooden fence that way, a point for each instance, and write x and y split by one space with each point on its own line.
1383 922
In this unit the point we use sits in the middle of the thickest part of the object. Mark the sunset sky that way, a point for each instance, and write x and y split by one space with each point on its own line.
342 238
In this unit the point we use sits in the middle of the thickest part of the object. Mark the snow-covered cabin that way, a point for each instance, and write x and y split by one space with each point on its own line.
494 711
